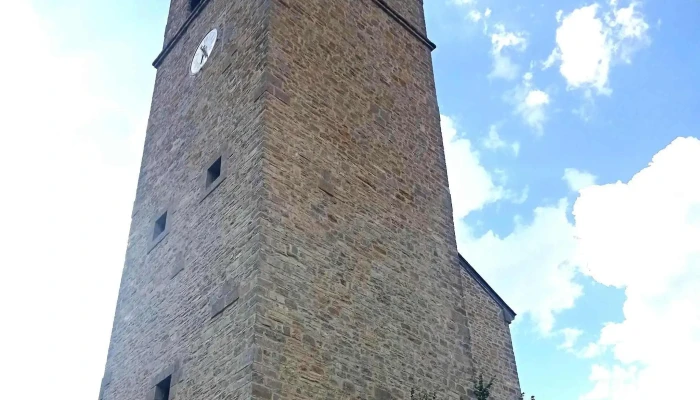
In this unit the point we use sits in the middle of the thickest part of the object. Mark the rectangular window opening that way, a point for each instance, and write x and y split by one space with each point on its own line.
194 4
160 225
163 389
214 172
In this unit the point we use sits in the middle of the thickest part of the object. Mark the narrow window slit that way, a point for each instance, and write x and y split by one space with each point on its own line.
214 172
160 225
163 389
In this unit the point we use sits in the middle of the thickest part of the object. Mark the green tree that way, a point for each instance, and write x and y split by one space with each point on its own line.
482 390
422 395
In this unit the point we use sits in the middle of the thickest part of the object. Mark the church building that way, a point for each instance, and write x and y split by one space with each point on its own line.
292 234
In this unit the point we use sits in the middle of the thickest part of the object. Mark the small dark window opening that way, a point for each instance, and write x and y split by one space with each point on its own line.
163 389
194 4
214 172
160 225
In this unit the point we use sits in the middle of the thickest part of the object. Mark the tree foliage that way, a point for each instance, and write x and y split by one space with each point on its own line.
422 395
482 390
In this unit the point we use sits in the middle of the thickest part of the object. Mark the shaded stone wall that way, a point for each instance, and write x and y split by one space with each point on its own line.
411 10
491 344
324 265
361 294
208 260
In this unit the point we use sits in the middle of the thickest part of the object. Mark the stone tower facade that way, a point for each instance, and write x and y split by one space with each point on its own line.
292 233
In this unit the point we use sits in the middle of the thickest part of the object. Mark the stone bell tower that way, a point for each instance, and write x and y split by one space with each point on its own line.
292 233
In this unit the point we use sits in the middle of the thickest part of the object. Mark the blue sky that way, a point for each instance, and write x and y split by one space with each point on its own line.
570 133
552 113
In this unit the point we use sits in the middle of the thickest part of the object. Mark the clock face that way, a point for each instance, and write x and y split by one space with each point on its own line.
201 56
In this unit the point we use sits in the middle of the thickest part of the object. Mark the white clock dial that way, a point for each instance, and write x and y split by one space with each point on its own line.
203 52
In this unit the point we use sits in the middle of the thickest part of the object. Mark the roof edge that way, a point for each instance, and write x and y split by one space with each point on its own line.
178 35
508 313
406 24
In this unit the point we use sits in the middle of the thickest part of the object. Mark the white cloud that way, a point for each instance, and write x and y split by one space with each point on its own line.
612 383
530 103
471 185
627 23
536 98
583 49
589 41
70 175
644 237
494 141
515 146
504 67
502 41
475 15
571 336
559 15
530 267
578 180
591 350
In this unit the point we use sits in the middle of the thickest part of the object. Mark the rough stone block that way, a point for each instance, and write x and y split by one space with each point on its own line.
228 295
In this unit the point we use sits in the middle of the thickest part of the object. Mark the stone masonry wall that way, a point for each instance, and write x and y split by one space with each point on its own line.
207 263
361 294
324 264
411 10
178 14
492 347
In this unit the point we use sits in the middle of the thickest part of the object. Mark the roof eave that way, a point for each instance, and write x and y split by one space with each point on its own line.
508 313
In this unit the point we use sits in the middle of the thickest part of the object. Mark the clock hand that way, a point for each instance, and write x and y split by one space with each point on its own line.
205 54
